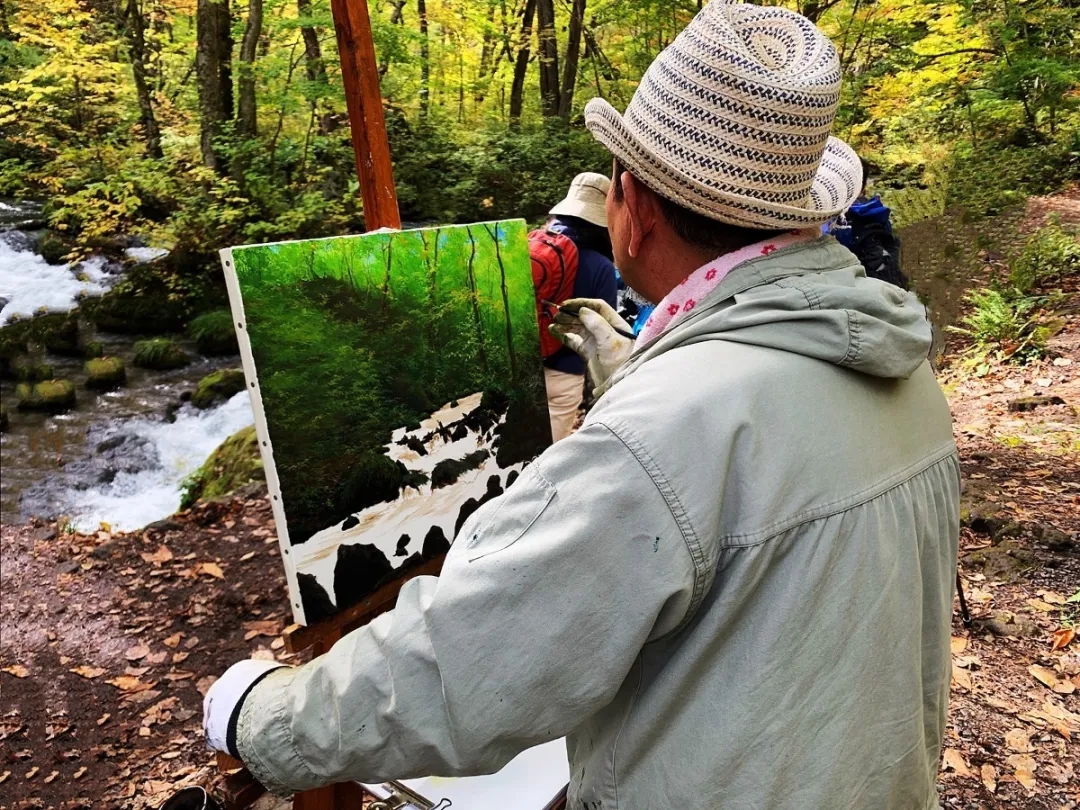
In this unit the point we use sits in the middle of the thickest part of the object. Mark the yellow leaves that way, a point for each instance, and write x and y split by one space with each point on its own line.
1062 638
988 774
172 641
961 678
1048 677
162 555
1025 767
1019 740
88 672
136 652
211 569
17 670
958 644
953 760
129 684
269 627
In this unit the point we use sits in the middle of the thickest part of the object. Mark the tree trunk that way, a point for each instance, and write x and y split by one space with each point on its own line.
570 64
213 69
506 305
135 29
478 323
521 66
549 57
397 17
425 59
247 113
315 67
487 52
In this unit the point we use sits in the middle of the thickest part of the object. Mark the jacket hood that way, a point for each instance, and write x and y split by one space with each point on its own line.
812 299
873 209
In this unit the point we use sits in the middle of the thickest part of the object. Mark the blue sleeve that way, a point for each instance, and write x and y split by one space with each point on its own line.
595 277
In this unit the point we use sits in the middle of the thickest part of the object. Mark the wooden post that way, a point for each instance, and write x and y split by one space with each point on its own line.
360 75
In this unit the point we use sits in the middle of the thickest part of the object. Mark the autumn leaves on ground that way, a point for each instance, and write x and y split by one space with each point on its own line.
110 640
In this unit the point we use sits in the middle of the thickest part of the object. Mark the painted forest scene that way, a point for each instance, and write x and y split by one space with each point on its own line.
400 379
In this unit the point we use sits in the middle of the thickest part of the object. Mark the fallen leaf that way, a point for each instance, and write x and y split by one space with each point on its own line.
18 670
1003 705
213 569
968 661
30 774
1019 740
4 776
179 676
162 555
172 640
180 657
268 627
961 678
1062 638
156 658
88 672
1064 687
958 644
1053 597
1062 774
136 672
136 652
247 556
79 773
144 731
129 683
1040 605
277 644
989 777
103 719
1043 675
49 779
1025 770
954 761
171 755
191 643
204 684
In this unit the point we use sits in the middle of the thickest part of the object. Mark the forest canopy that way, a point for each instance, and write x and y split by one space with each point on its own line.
199 124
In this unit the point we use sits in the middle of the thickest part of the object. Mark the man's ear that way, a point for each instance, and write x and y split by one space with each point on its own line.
641 209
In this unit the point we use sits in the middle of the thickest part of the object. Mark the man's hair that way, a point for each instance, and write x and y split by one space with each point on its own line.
696 229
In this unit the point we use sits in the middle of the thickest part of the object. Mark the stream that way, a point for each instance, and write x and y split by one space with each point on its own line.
119 457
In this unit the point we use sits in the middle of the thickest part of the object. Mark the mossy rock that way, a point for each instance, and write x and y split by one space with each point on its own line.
3 418
94 348
53 396
160 354
56 332
52 247
105 373
33 372
214 334
213 389
233 465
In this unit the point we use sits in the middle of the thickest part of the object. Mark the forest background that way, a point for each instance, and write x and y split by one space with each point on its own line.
201 124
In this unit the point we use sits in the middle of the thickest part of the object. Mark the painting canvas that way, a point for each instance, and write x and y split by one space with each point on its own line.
397 385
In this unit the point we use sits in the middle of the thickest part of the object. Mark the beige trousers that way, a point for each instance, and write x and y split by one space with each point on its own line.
564 395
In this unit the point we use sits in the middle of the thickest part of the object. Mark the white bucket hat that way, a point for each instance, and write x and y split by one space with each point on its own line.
732 120
586 199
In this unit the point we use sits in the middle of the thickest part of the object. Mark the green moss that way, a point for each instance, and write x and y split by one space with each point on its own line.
53 396
56 332
214 334
160 354
218 387
33 372
105 373
52 247
235 463
94 349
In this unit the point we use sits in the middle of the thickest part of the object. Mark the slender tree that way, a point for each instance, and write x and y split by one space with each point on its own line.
494 233
425 59
549 57
133 24
213 69
247 112
521 65
474 299
315 67
570 63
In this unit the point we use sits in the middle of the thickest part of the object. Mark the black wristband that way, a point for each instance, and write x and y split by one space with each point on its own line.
234 718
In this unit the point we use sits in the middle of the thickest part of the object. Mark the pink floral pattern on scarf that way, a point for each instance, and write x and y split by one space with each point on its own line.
707 278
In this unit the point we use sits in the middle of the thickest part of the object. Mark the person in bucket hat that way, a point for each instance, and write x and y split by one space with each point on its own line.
732 587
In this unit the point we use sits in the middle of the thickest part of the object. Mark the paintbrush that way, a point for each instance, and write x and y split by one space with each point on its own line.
572 312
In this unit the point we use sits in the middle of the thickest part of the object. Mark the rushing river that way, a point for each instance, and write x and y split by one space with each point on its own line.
119 457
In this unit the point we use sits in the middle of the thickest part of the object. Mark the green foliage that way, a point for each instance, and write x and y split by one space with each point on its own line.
105 373
1049 255
94 348
1004 323
991 178
214 334
52 396
53 247
33 372
215 388
234 464
160 354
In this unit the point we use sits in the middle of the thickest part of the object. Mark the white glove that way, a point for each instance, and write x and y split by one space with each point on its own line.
221 706
591 333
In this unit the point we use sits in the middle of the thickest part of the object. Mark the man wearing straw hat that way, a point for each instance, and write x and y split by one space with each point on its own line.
732 588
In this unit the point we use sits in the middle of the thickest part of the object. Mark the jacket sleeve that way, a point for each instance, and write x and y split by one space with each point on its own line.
544 602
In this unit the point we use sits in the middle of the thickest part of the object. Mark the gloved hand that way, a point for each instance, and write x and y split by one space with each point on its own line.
591 333
221 706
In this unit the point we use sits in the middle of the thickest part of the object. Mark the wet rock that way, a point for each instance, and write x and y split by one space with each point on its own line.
160 354
359 568
44 534
214 333
350 522
53 396
69 567
95 348
464 513
511 478
447 472
317 604
1057 540
1031 403
402 546
33 372
164 525
218 387
105 373
435 543
52 247
234 464
494 490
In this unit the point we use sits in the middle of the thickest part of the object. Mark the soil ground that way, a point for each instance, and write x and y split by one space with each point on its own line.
110 640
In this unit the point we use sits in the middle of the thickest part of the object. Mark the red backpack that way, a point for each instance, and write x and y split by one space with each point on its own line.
554 268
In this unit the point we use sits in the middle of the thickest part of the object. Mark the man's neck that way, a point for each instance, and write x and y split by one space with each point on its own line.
673 263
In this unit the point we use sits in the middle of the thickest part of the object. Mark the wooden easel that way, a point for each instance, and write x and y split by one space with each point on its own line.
363 98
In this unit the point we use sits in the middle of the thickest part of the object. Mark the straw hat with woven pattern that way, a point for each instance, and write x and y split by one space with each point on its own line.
732 120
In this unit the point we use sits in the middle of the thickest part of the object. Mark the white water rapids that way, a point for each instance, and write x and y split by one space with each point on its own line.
29 283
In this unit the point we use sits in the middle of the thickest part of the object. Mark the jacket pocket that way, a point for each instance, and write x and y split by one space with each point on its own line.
516 511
